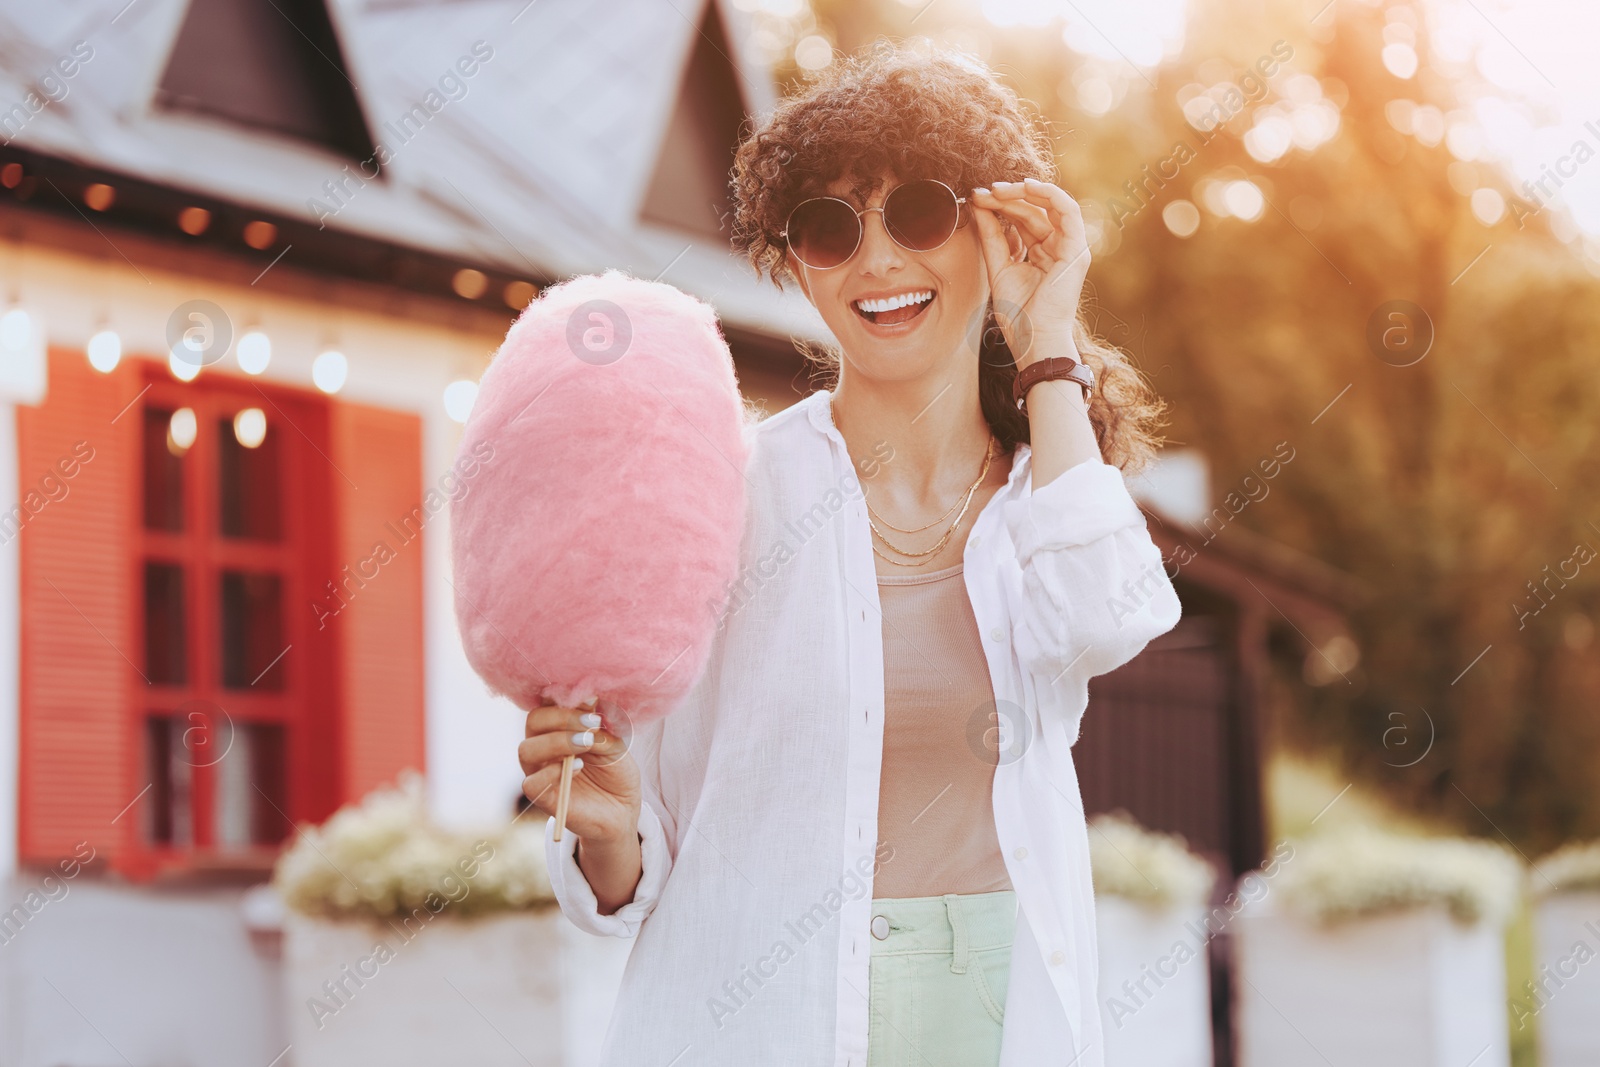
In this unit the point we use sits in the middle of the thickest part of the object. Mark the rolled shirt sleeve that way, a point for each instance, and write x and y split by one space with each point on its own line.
1095 591
577 898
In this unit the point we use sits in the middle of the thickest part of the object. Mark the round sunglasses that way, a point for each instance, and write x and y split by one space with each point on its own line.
920 216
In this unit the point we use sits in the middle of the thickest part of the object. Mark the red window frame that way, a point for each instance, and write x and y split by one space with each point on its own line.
304 705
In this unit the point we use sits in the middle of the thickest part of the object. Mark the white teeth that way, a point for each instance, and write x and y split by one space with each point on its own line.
899 301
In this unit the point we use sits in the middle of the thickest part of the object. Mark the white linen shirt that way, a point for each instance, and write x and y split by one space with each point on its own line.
759 821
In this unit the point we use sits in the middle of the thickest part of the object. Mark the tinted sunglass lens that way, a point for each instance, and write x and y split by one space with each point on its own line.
921 215
823 233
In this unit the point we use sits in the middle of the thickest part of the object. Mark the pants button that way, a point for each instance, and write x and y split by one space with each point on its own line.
880 926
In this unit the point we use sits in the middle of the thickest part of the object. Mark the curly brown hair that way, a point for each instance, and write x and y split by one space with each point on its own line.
923 113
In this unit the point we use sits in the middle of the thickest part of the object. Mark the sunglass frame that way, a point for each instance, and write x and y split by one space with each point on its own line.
861 229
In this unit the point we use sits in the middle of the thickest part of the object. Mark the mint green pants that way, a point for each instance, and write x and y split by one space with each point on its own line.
939 971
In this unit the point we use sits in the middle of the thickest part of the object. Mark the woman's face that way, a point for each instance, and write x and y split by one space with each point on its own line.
935 337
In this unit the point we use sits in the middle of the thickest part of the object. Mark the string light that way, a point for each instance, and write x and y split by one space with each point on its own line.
458 399
250 427
16 330
105 351
181 430
182 369
254 352
329 371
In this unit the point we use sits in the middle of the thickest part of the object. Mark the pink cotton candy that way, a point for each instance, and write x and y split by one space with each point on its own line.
594 551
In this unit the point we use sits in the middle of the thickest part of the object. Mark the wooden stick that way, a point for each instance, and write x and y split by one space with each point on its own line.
564 796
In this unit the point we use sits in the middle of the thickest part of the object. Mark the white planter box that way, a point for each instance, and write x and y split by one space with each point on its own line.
110 974
1410 989
1155 989
1565 1004
524 989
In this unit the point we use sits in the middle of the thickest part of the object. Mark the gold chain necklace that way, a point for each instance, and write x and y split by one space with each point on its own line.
925 557
919 529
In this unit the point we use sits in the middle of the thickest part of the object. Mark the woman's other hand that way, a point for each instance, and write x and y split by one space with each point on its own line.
604 805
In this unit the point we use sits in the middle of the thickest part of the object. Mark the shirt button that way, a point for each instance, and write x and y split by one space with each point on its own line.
972 540
997 634
1058 957
880 926
1021 853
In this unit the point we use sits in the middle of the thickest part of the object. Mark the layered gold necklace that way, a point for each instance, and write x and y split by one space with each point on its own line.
924 557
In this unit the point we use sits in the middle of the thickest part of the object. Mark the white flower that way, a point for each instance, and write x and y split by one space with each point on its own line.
384 857
1573 868
1358 871
1141 865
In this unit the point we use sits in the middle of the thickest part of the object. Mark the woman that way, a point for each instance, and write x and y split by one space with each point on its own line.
860 842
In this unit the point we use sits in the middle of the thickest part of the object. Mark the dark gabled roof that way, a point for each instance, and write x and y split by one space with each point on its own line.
538 163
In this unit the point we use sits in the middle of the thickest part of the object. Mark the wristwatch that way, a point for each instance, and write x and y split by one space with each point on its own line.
1051 369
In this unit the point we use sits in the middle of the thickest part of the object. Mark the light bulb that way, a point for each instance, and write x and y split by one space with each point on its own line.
105 351
329 371
250 427
458 399
182 369
254 352
182 427
16 330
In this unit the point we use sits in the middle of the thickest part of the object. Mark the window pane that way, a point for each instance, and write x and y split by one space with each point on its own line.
234 795
248 487
269 767
252 794
163 474
252 631
167 816
165 661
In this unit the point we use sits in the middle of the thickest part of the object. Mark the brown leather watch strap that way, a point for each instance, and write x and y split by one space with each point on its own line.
1051 369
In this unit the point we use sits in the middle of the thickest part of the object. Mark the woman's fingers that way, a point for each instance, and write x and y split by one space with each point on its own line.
1067 218
1065 214
1023 247
542 786
1061 211
1032 218
1014 246
1064 239
605 784
555 717
1067 253
995 241
536 751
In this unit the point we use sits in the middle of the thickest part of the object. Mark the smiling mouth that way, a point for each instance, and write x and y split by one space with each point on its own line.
889 311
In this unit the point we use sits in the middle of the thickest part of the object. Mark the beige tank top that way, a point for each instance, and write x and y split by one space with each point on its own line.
935 803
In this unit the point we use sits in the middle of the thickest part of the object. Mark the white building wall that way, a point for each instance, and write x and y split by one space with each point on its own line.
10 680
472 737
104 973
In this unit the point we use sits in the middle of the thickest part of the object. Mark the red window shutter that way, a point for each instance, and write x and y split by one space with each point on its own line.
80 667
377 593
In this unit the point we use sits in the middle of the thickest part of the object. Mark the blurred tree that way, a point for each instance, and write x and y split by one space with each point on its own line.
1462 487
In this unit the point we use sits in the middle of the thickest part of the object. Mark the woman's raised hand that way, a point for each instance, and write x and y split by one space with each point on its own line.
604 805
1036 267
